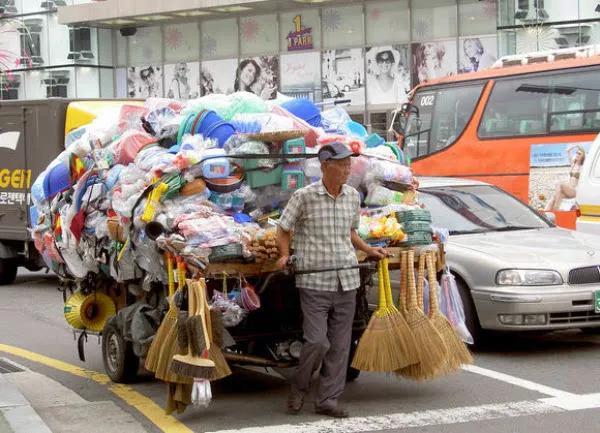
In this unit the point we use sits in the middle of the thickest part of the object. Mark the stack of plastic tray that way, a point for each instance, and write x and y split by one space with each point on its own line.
417 226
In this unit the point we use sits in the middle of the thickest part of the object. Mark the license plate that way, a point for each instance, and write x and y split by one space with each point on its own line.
597 301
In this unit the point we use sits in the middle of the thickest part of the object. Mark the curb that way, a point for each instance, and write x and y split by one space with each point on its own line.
17 412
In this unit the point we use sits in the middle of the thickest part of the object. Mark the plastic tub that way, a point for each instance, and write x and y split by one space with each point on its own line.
220 131
209 119
58 179
305 110
356 129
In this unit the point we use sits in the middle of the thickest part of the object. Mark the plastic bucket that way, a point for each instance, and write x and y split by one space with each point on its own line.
304 109
58 179
221 132
208 121
356 129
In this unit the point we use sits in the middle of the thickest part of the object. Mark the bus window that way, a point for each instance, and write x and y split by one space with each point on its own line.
443 115
516 107
574 102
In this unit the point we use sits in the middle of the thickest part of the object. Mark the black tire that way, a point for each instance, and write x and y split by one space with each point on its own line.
120 362
590 331
471 319
352 373
8 271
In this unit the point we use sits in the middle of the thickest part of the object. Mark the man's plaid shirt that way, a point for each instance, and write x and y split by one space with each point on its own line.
321 226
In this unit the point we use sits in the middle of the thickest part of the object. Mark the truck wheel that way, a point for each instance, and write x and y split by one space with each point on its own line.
120 362
352 373
8 271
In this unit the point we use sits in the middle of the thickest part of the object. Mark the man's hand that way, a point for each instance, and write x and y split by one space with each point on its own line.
377 252
282 262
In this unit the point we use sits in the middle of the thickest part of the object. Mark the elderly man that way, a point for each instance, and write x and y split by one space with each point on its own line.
324 217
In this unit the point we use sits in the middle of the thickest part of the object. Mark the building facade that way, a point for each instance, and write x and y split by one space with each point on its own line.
365 54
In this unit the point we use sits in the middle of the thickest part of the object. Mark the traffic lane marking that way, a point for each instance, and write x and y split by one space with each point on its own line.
140 402
517 381
411 419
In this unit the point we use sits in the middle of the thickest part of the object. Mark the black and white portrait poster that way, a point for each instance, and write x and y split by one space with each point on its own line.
144 81
476 53
301 75
433 60
344 76
182 80
217 76
259 75
388 74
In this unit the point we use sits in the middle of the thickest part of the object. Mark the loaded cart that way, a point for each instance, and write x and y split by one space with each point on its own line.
160 219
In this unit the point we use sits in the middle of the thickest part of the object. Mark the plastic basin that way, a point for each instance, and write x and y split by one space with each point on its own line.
58 179
221 132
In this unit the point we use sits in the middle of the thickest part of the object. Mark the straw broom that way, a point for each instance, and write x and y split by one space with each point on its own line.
458 354
405 337
432 352
379 348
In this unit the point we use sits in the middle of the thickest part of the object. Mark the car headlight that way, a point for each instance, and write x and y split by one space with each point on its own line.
528 277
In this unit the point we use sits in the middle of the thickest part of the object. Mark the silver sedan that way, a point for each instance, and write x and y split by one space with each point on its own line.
516 271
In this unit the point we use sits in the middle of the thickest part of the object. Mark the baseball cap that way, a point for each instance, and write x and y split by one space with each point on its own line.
335 150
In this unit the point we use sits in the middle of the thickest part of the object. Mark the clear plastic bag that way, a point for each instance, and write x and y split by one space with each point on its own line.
452 307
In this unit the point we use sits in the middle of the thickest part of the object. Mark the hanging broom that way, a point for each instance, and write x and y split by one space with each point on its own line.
379 348
404 335
458 354
432 352
168 323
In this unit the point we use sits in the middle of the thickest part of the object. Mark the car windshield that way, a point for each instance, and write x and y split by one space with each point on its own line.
478 209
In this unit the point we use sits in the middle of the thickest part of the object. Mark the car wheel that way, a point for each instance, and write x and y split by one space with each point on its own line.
352 373
471 319
120 362
8 271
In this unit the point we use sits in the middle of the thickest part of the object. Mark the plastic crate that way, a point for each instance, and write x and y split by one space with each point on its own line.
261 177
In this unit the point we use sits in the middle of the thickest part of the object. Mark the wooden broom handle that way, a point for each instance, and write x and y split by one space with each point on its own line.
192 303
412 290
382 307
200 302
403 282
171 282
388 286
421 280
433 300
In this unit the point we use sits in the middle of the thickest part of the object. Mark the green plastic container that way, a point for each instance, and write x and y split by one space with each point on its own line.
414 215
417 226
223 253
417 238
258 178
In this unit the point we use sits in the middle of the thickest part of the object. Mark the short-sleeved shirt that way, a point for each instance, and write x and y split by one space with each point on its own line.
322 225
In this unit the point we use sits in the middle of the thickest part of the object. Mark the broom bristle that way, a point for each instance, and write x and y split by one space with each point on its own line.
432 351
221 369
379 347
405 339
182 368
158 342
182 334
170 349
458 354
196 335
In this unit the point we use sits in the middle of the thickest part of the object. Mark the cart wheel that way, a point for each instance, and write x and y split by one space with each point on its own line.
120 363
352 373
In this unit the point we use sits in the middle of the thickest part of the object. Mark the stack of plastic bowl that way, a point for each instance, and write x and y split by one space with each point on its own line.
305 110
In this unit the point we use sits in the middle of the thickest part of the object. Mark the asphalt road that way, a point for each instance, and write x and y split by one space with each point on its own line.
535 384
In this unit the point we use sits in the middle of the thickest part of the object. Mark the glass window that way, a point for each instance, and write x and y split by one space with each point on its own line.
121 83
105 48
58 83
388 22
11 86
121 47
182 42
107 83
379 123
62 50
434 19
517 106
34 41
182 80
219 38
574 102
476 53
476 17
301 75
88 82
145 47
259 34
10 44
300 30
443 114
342 27
343 78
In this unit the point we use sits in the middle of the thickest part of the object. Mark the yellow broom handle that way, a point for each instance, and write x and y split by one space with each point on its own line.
382 307
388 286
200 288
421 280
403 281
433 300
412 290
192 303
171 282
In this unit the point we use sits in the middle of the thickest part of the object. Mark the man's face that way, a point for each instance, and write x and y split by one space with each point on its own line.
338 169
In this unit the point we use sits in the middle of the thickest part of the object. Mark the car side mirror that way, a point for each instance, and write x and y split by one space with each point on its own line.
550 217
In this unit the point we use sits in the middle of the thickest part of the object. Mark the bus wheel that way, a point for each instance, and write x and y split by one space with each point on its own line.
8 271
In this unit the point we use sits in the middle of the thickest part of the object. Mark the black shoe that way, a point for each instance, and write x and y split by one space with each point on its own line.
334 412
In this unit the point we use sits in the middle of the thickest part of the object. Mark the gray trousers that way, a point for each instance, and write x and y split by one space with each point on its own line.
327 328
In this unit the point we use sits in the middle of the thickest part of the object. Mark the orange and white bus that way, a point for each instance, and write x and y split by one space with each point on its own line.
513 125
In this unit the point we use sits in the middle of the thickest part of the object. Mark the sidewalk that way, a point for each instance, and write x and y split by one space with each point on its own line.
34 403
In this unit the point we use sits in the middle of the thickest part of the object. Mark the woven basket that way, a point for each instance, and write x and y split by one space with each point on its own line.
276 136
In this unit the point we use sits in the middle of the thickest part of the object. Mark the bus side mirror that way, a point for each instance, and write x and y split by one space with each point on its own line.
550 217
